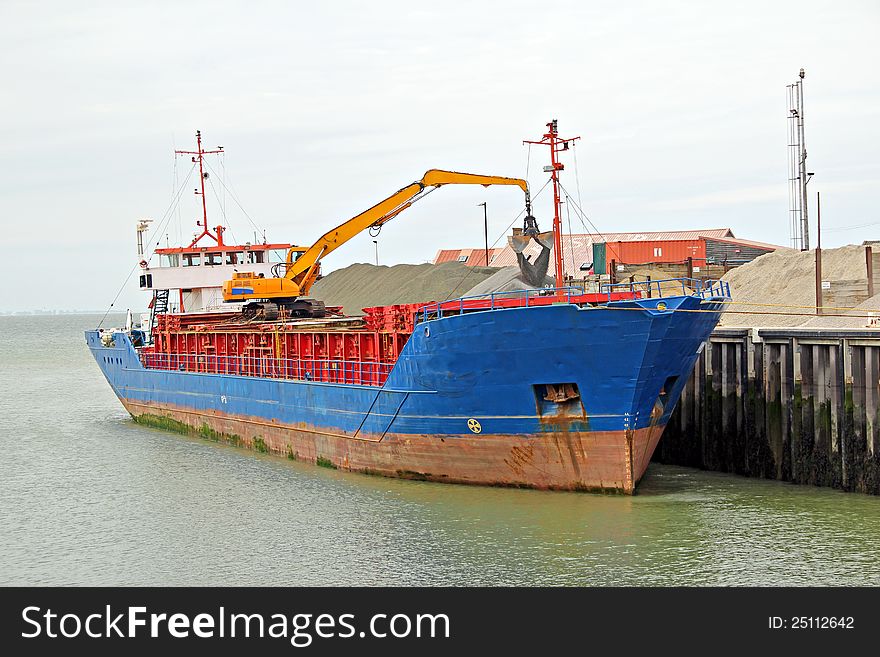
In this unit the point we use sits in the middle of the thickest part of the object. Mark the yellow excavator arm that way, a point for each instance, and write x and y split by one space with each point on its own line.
301 272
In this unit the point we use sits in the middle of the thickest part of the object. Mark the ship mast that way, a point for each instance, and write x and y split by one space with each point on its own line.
557 144
198 156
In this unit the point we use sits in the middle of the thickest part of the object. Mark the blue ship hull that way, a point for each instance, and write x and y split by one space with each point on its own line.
557 396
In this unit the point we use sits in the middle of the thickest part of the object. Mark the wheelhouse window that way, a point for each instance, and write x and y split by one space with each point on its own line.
192 259
171 260
255 257
213 258
277 255
233 257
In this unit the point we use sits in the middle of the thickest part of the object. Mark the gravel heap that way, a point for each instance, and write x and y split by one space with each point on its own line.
867 317
781 277
362 285
788 277
505 279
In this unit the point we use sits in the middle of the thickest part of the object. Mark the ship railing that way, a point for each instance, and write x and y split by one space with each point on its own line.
705 289
499 301
371 373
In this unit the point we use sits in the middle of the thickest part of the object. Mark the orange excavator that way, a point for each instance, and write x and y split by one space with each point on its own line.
294 277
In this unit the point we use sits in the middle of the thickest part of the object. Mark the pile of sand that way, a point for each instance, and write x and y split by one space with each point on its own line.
361 285
787 277
864 315
505 279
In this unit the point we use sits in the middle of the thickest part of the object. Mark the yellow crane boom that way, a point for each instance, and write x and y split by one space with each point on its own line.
301 271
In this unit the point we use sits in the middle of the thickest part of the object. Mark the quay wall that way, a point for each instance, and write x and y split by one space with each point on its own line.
797 405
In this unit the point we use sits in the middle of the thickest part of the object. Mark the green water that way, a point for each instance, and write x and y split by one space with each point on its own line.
89 497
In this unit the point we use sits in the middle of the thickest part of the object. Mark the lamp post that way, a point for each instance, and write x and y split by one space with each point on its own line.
819 302
808 176
376 243
485 229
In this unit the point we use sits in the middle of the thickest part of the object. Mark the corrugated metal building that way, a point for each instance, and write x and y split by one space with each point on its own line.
732 251
709 246
577 249
655 251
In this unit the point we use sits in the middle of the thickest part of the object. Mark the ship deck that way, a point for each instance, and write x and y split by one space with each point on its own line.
353 350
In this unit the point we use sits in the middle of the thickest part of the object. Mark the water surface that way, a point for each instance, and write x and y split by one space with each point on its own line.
89 497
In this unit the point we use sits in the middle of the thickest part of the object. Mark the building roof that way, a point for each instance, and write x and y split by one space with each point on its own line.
661 236
469 257
577 249
752 243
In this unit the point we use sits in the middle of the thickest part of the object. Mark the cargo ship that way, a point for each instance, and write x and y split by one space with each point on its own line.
550 387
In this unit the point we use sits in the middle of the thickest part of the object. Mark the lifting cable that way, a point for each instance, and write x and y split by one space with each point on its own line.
223 211
577 176
579 212
469 270
375 228
570 243
166 217
234 198
164 220
528 162
577 180
578 209
179 237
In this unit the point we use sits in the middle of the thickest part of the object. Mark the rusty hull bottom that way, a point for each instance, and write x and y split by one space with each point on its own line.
602 461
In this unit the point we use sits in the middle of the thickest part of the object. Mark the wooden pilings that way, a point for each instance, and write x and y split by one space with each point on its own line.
791 404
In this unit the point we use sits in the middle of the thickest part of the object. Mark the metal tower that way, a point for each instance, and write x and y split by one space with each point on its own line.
798 177
557 144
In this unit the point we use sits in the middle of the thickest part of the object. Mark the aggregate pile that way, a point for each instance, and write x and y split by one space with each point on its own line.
788 277
363 285
506 279
864 315
784 277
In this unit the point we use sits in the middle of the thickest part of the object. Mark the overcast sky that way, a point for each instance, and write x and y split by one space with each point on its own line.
326 108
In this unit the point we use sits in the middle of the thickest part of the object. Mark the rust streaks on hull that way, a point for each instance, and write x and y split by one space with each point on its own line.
521 457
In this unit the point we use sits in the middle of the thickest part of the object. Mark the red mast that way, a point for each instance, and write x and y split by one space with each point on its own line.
552 139
198 156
